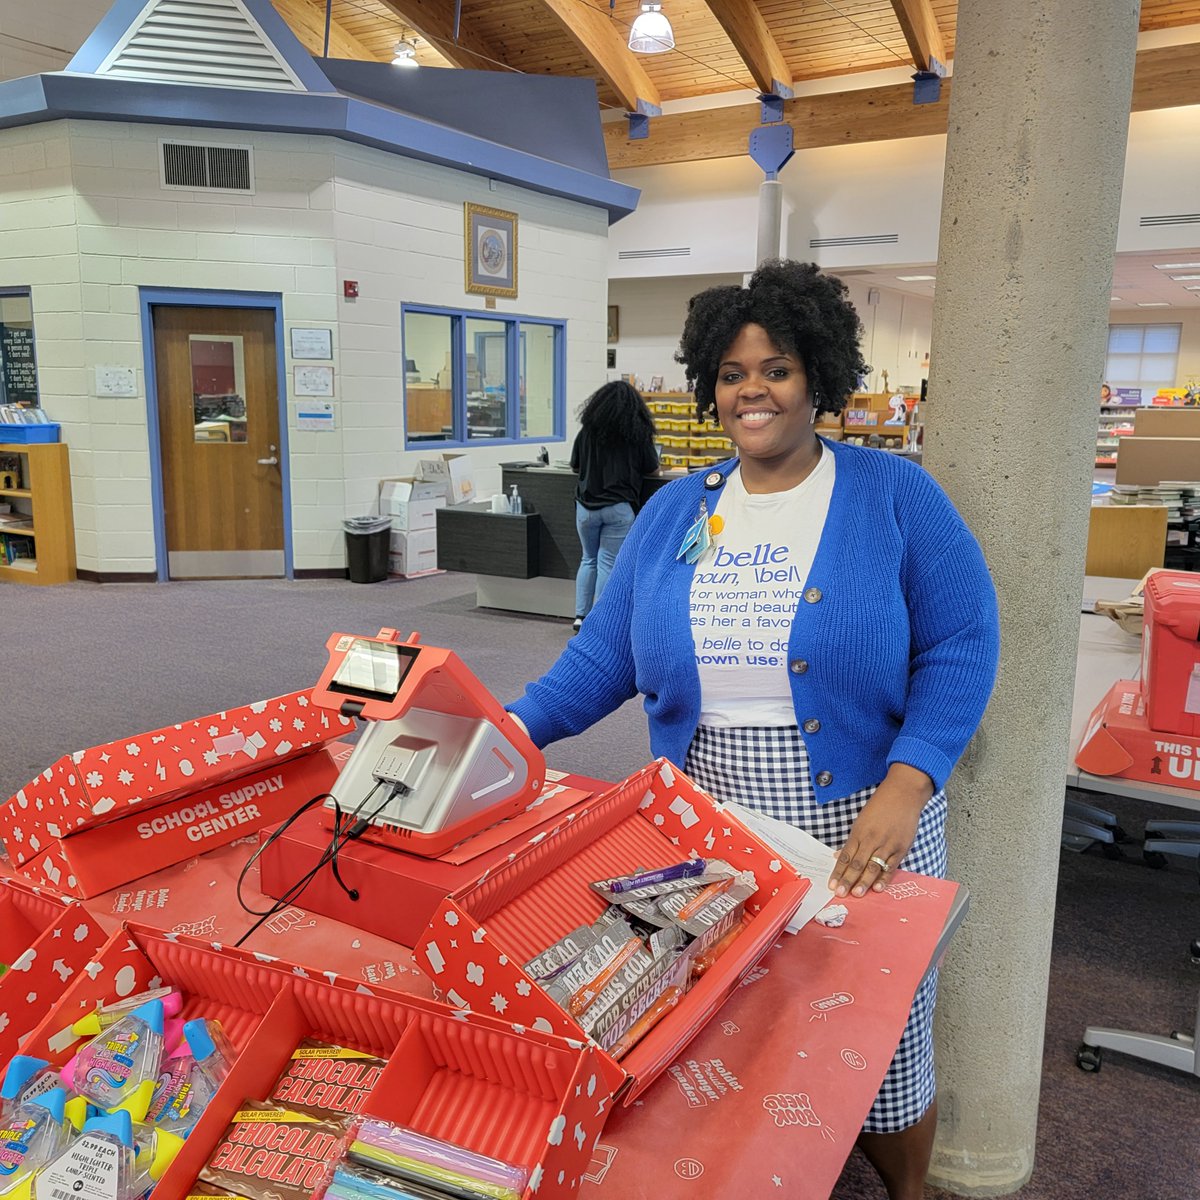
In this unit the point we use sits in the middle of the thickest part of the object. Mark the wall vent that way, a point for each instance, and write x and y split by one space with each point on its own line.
862 239
207 168
1169 219
211 43
662 252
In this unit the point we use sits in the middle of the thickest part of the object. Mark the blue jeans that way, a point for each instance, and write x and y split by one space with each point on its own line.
601 532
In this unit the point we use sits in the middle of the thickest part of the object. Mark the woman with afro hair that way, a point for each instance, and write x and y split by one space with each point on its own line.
812 627
613 452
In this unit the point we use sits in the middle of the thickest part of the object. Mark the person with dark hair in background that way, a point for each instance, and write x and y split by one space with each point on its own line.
848 685
613 451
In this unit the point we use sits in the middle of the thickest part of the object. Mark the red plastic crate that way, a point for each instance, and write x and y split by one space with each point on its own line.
44 940
528 1098
480 936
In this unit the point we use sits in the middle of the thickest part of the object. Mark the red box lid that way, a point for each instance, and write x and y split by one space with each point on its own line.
1172 598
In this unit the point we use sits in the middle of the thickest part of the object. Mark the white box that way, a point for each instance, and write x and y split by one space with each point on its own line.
413 552
454 471
411 503
422 514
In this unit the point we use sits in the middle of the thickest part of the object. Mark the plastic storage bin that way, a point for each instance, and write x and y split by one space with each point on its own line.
367 546
24 435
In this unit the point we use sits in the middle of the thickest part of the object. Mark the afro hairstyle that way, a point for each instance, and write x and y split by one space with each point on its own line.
803 311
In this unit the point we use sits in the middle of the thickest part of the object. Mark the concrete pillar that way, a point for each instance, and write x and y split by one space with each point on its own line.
1038 124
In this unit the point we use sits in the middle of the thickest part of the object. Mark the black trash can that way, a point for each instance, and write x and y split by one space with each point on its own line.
367 544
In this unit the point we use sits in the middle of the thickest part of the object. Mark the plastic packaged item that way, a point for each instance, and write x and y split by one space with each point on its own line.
97 1165
188 1081
31 1136
119 1069
107 1014
26 1079
405 1154
515 504
327 1080
269 1153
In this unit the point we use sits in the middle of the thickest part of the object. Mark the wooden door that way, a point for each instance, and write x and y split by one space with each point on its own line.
218 409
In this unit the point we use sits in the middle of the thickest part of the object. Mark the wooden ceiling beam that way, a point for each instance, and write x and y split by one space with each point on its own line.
1166 77
603 43
306 20
746 29
922 34
434 21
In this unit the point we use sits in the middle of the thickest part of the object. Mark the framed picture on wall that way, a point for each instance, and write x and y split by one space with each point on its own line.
614 325
491 251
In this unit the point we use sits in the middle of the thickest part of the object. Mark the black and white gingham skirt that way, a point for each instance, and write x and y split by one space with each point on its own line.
767 769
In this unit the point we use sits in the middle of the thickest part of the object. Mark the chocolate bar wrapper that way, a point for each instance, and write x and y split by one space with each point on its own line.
269 1153
327 1080
204 1191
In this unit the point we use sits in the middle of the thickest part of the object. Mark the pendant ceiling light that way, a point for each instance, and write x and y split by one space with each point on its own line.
651 32
405 55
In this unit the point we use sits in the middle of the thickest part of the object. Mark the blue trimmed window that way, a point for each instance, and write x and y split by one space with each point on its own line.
472 377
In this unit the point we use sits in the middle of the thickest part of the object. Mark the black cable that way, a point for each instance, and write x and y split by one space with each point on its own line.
340 837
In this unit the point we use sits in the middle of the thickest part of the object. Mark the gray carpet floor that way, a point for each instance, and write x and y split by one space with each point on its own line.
88 663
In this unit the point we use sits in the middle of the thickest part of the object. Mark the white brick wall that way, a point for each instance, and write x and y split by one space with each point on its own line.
85 224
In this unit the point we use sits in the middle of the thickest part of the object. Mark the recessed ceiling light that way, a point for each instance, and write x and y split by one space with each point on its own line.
1192 287
1153 304
1175 266
1115 300
922 278
1183 278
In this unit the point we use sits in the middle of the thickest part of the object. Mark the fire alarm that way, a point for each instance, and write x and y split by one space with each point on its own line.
350 289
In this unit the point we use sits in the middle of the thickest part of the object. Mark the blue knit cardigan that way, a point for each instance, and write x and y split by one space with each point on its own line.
892 648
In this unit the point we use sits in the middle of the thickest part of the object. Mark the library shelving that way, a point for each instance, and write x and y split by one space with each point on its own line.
37 537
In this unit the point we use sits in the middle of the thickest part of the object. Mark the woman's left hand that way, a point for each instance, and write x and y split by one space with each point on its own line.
883 832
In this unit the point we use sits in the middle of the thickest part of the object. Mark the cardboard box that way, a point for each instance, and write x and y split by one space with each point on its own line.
1119 742
411 503
398 892
45 939
1171 652
532 1100
1146 460
480 936
111 813
456 474
1167 422
412 553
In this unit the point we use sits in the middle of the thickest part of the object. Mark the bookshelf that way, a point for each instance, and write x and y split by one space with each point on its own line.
1115 420
686 443
38 536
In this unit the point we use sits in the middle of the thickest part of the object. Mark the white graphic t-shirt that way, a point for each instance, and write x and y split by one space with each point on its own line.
744 593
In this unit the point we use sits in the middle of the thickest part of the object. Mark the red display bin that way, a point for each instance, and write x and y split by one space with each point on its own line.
529 1099
44 941
103 816
480 936
1171 652
398 892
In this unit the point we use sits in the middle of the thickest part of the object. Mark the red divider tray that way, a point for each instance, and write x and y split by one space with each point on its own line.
44 940
480 936
530 1099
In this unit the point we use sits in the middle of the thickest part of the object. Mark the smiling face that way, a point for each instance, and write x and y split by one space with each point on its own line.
764 406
